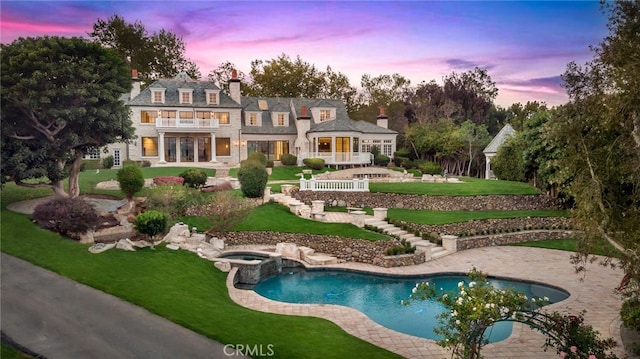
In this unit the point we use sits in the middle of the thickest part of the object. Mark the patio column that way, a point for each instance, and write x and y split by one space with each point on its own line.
213 147
161 147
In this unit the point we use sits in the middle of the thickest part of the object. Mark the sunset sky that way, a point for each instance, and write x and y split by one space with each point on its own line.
525 46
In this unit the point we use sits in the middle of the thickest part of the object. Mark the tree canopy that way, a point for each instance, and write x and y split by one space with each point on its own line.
60 97
599 131
159 55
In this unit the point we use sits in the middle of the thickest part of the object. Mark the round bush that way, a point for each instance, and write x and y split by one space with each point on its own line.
151 223
253 179
430 168
381 160
314 163
107 162
131 180
288 159
67 216
194 177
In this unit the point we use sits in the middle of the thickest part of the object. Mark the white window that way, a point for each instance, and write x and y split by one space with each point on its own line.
253 119
157 95
213 97
92 154
280 119
326 115
185 95
148 116
222 117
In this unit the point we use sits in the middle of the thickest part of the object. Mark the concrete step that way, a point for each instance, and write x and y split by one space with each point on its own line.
321 259
424 244
396 231
439 252
409 236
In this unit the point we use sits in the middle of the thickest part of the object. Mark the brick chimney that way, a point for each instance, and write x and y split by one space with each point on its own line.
382 120
135 89
234 86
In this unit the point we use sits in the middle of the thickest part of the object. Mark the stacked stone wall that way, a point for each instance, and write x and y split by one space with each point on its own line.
511 238
437 203
345 249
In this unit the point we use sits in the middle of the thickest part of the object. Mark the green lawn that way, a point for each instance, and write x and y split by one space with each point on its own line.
469 187
277 218
570 244
182 287
446 217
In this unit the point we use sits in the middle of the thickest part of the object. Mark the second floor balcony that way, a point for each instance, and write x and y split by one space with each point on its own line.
191 124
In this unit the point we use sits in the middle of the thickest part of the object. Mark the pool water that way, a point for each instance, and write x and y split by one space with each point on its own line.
380 297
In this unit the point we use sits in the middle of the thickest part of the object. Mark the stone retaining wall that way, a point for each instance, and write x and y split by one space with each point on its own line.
492 226
402 260
346 249
438 203
510 238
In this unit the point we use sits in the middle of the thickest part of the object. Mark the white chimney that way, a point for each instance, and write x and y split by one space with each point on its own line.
234 87
135 89
382 120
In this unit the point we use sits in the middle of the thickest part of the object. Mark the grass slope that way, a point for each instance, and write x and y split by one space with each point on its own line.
180 286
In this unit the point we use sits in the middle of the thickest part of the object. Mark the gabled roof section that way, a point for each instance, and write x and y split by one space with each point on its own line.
172 95
502 136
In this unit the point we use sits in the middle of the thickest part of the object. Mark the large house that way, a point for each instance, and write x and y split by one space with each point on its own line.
184 122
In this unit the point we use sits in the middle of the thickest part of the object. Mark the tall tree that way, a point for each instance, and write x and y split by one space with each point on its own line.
283 77
159 55
222 74
60 97
337 86
473 92
475 137
600 131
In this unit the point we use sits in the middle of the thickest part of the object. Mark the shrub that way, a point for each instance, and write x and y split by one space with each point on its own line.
408 164
288 159
398 161
67 216
630 313
173 200
131 180
381 160
151 223
253 178
403 152
90 165
405 247
430 168
375 150
144 163
107 162
194 177
314 163
224 210
270 164
258 157
168 180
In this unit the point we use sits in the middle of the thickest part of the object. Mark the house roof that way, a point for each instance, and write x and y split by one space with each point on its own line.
172 95
493 146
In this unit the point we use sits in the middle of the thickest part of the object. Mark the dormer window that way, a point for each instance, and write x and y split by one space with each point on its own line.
252 119
157 95
280 119
213 97
326 115
186 96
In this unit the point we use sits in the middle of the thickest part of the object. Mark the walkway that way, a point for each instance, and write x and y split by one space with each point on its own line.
595 294
59 318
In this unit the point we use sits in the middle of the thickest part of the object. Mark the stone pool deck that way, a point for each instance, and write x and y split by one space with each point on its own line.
594 293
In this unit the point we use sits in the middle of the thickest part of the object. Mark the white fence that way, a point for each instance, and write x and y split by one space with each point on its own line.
349 185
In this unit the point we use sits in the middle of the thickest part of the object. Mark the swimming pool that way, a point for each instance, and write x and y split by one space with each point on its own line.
379 297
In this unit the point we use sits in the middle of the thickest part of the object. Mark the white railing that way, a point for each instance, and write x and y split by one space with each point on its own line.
348 185
205 123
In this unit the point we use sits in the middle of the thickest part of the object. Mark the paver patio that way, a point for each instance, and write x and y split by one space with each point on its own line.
594 293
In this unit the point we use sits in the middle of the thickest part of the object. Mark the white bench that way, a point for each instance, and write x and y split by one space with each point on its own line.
318 216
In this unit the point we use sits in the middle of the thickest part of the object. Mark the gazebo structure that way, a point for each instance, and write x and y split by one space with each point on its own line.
493 146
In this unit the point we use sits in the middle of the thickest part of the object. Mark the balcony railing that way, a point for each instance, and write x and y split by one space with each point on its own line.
194 123
348 185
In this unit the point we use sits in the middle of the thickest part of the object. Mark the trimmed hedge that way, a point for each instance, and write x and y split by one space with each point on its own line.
314 163
288 159
430 168
258 157
195 178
